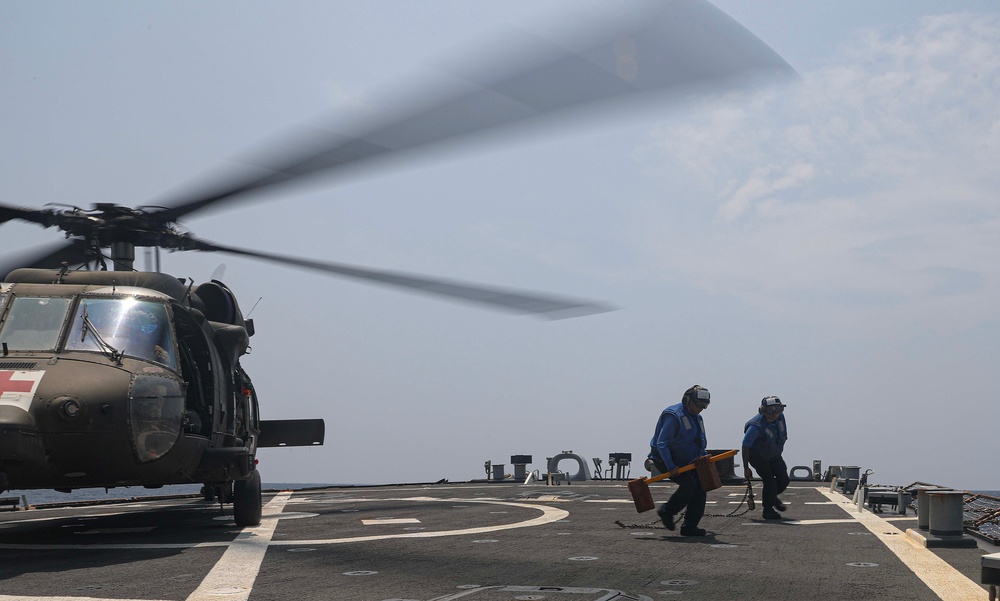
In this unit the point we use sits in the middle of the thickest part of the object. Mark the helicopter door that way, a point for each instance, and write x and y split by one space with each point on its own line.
202 370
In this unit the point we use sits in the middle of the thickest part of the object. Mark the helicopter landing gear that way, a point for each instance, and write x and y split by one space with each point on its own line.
247 500
208 493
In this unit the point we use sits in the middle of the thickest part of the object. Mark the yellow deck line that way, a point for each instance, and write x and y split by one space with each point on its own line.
946 582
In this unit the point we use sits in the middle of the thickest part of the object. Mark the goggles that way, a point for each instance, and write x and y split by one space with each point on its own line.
702 398
775 410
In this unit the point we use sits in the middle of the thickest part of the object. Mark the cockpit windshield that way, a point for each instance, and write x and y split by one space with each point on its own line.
34 323
123 326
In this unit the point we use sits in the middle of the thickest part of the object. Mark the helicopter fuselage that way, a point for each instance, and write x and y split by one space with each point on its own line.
126 379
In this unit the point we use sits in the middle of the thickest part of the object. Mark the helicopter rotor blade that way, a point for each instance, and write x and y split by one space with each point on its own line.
670 50
8 213
679 47
547 306
53 256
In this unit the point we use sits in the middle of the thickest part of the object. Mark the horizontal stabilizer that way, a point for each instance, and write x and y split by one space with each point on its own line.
291 432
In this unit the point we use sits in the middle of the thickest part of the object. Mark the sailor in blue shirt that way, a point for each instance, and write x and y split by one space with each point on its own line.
763 443
678 440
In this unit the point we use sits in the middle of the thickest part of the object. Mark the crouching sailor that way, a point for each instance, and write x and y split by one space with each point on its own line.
678 440
763 443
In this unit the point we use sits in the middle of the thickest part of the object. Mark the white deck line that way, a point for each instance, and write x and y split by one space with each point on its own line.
946 582
234 574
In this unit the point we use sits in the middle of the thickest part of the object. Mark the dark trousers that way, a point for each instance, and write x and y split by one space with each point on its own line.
773 475
689 495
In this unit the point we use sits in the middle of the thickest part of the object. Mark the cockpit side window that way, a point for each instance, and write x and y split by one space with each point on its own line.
128 326
34 323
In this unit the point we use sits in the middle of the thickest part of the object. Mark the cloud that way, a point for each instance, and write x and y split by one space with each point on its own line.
875 178
762 182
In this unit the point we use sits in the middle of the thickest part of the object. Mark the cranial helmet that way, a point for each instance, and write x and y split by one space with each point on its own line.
771 401
697 393
771 404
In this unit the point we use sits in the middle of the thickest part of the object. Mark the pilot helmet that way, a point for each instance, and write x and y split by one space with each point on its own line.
143 323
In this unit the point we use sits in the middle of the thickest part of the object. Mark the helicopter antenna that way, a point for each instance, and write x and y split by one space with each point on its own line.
247 316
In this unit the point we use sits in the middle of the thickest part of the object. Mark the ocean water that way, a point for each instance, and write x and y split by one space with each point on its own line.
38 497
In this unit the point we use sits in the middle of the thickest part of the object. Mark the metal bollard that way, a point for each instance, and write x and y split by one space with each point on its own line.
946 513
924 506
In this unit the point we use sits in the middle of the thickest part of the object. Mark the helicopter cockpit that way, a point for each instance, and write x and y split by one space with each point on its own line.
129 326
117 327
33 323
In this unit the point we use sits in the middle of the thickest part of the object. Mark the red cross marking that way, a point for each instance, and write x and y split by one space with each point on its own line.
9 385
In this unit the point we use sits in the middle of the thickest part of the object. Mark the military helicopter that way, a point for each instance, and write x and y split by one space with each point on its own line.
112 377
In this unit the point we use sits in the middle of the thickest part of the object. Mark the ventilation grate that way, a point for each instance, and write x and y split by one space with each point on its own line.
18 365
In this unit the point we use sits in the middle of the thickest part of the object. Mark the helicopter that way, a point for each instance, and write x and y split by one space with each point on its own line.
110 376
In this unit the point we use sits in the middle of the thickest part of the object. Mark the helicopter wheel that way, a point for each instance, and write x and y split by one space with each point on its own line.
247 501
208 493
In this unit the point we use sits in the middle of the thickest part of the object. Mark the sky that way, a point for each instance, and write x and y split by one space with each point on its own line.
830 240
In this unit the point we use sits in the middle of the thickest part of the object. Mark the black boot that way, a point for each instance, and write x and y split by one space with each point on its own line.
692 531
666 517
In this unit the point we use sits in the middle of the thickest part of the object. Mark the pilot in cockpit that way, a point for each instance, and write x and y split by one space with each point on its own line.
145 334
136 329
